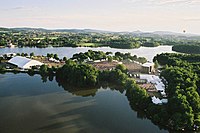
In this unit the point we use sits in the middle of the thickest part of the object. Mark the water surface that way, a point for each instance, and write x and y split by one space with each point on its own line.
147 52
27 105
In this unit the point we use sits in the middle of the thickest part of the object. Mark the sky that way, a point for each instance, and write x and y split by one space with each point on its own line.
110 15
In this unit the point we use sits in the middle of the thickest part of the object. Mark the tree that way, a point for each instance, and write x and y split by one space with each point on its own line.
43 69
1 58
156 64
50 55
31 54
122 67
56 56
110 59
25 54
109 53
64 58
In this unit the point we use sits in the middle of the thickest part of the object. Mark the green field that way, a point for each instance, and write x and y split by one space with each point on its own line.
90 45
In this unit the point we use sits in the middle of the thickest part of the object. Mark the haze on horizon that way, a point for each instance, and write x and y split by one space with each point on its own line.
112 15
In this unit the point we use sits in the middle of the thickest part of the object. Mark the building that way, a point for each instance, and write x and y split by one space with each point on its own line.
153 79
23 62
148 67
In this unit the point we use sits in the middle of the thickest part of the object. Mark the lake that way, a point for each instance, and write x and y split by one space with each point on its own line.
147 52
29 105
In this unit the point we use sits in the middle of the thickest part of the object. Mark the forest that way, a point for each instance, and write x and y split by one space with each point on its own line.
182 76
185 48
75 38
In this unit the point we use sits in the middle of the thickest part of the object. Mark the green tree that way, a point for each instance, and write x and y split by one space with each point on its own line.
31 54
56 56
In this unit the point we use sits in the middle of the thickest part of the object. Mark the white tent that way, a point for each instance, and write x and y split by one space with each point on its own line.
54 60
156 100
154 80
165 101
23 62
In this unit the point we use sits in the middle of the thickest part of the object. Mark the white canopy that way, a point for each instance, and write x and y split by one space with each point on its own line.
154 80
23 62
156 100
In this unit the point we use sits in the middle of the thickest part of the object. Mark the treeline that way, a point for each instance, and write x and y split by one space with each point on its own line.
174 58
100 55
85 75
151 44
68 39
183 80
123 42
82 75
189 49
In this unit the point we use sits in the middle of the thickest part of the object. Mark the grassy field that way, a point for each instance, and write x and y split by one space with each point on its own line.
41 38
90 45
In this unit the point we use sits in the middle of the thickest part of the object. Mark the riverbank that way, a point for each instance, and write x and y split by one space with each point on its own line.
188 49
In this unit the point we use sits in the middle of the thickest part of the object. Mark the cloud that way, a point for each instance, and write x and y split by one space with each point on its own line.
13 8
17 8
192 19
166 2
176 2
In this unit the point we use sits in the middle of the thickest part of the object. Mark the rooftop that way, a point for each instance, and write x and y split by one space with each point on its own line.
148 64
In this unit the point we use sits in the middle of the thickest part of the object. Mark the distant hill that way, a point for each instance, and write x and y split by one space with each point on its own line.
81 30
26 29
156 34
30 29
5 29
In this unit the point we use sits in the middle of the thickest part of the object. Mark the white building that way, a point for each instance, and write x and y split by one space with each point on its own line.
23 62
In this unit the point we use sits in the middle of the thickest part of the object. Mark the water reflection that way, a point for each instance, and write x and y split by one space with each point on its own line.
89 91
46 107
86 92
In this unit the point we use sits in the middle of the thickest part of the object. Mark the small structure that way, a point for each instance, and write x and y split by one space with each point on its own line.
148 67
54 60
153 79
164 101
23 62
156 100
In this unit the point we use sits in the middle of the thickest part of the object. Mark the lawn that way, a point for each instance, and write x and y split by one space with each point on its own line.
90 45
